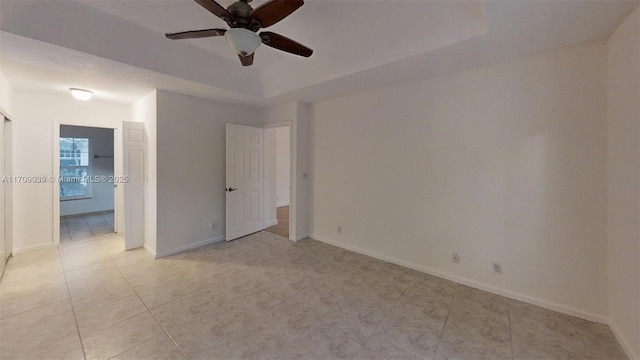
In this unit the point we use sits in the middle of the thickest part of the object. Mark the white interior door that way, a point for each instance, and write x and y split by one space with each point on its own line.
245 194
134 148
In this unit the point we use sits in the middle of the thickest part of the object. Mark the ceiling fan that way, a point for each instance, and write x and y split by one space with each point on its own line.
244 22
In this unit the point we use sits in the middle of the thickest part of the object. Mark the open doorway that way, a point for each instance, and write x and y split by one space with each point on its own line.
86 182
278 179
6 193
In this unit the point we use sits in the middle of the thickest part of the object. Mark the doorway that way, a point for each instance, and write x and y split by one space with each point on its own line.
278 179
86 182
6 194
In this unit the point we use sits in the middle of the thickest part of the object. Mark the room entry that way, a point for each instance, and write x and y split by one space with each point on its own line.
277 179
86 182
6 194
244 180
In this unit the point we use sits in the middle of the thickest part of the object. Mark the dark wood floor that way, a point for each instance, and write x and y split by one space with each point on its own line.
282 228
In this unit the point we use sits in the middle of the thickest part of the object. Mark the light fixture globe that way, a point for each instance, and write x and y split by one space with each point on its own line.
243 41
81 94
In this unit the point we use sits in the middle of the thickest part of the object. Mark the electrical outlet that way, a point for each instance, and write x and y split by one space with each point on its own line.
455 258
497 268
214 226
339 229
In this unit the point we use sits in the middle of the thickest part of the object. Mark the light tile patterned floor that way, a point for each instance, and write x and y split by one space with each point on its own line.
266 297
85 227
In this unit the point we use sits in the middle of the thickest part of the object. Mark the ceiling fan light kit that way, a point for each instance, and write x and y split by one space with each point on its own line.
244 22
243 41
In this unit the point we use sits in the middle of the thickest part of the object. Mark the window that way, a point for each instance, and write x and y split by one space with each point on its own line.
74 168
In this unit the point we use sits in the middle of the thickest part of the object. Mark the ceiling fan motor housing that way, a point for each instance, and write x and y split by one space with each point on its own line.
240 11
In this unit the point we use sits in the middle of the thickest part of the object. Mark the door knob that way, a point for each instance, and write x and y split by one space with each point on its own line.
231 189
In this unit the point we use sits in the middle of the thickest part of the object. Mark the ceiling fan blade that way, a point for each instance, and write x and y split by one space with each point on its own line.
246 60
273 11
216 9
196 34
285 44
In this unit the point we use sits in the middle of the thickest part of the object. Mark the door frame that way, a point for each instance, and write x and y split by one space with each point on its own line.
7 193
118 215
292 199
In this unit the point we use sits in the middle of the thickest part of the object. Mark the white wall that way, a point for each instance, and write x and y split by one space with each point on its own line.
623 145
33 155
145 110
283 165
101 142
6 96
191 168
501 163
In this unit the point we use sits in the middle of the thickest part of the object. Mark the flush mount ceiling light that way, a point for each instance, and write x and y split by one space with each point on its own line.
81 94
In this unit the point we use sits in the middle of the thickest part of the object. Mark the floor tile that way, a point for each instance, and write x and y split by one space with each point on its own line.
118 338
36 331
91 318
263 297
158 348
322 343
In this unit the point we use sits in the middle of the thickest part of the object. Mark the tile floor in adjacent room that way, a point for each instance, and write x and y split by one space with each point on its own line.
266 297
282 227
84 227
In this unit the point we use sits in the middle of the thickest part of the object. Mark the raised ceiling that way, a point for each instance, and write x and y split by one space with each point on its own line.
118 47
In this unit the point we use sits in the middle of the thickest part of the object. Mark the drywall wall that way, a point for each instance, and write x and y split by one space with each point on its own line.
6 96
283 167
623 182
504 163
38 115
145 110
101 143
191 168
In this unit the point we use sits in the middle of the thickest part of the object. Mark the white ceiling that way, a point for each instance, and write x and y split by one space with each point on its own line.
117 47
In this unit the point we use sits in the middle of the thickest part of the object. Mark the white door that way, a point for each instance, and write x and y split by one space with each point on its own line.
134 148
244 190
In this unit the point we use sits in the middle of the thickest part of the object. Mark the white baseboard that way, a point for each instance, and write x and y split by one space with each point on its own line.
189 246
31 247
270 223
284 203
150 251
472 283
623 341
300 237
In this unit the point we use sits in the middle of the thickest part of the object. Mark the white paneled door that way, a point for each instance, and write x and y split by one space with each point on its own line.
134 144
244 188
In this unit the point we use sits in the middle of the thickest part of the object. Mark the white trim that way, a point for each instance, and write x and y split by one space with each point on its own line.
118 208
32 247
293 156
185 247
623 342
269 223
149 250
277 124
284 203
507 293
5 114
302 236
